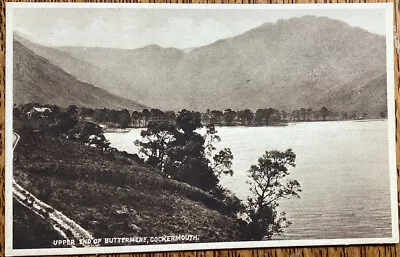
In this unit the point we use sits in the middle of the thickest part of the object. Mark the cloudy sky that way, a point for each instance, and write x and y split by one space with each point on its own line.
181 28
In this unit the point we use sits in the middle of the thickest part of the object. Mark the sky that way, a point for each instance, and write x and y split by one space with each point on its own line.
131 28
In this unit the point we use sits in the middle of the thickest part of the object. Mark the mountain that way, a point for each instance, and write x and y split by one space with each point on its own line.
83 71
300 62
36 80
148 70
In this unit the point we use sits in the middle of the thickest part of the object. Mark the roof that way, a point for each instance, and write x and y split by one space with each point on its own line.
41 109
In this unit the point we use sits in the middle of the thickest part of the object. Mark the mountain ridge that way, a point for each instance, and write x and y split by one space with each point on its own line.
289 64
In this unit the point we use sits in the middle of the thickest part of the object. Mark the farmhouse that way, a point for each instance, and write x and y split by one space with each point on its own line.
39 112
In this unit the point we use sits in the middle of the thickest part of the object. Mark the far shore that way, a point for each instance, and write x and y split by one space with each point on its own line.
111 129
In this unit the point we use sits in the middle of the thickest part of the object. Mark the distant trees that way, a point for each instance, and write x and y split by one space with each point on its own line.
266 117
260 117
123 118
268 185
275 117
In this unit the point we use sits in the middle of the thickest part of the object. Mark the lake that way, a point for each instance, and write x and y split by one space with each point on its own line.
343 169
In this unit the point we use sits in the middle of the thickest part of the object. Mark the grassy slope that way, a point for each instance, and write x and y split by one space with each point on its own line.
111 195
31 231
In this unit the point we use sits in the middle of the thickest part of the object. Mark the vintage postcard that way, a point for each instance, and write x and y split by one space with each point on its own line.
159 127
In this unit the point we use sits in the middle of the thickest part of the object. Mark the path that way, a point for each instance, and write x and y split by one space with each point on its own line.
67 228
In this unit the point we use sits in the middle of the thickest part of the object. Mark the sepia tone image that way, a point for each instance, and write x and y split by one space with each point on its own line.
141 127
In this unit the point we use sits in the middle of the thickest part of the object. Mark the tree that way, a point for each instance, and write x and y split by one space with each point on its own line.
64 121
156 142
283 115
303 114
345 115
245 116
222 162
324 113
170 116
309 112
112 116
100 115
295 116
17 113
268 185
89 133
184 154
86 112
354 116
211 139
124 118
156 114
364 115
259 117
188 121
187 160
145 116
275 116
135 118
216 117
229 117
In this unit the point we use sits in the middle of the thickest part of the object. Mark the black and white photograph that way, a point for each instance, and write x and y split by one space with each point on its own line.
160 127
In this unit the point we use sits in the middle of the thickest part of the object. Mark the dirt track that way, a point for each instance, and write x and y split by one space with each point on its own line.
67 228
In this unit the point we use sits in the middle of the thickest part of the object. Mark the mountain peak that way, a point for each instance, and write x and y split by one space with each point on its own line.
152 47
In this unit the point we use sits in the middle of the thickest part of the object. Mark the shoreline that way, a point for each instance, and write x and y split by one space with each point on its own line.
128 129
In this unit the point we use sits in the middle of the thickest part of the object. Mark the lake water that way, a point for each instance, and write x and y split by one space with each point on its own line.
342 168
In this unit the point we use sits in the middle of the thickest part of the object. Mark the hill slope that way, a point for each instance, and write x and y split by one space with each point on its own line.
111 194
37 80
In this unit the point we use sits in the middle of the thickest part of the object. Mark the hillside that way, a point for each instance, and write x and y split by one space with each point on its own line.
110 193
295 63
37 80
371 96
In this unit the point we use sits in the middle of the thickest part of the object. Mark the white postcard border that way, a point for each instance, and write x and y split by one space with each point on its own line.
9 251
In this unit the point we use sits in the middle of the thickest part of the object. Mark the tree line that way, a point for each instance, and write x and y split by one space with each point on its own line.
260 117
